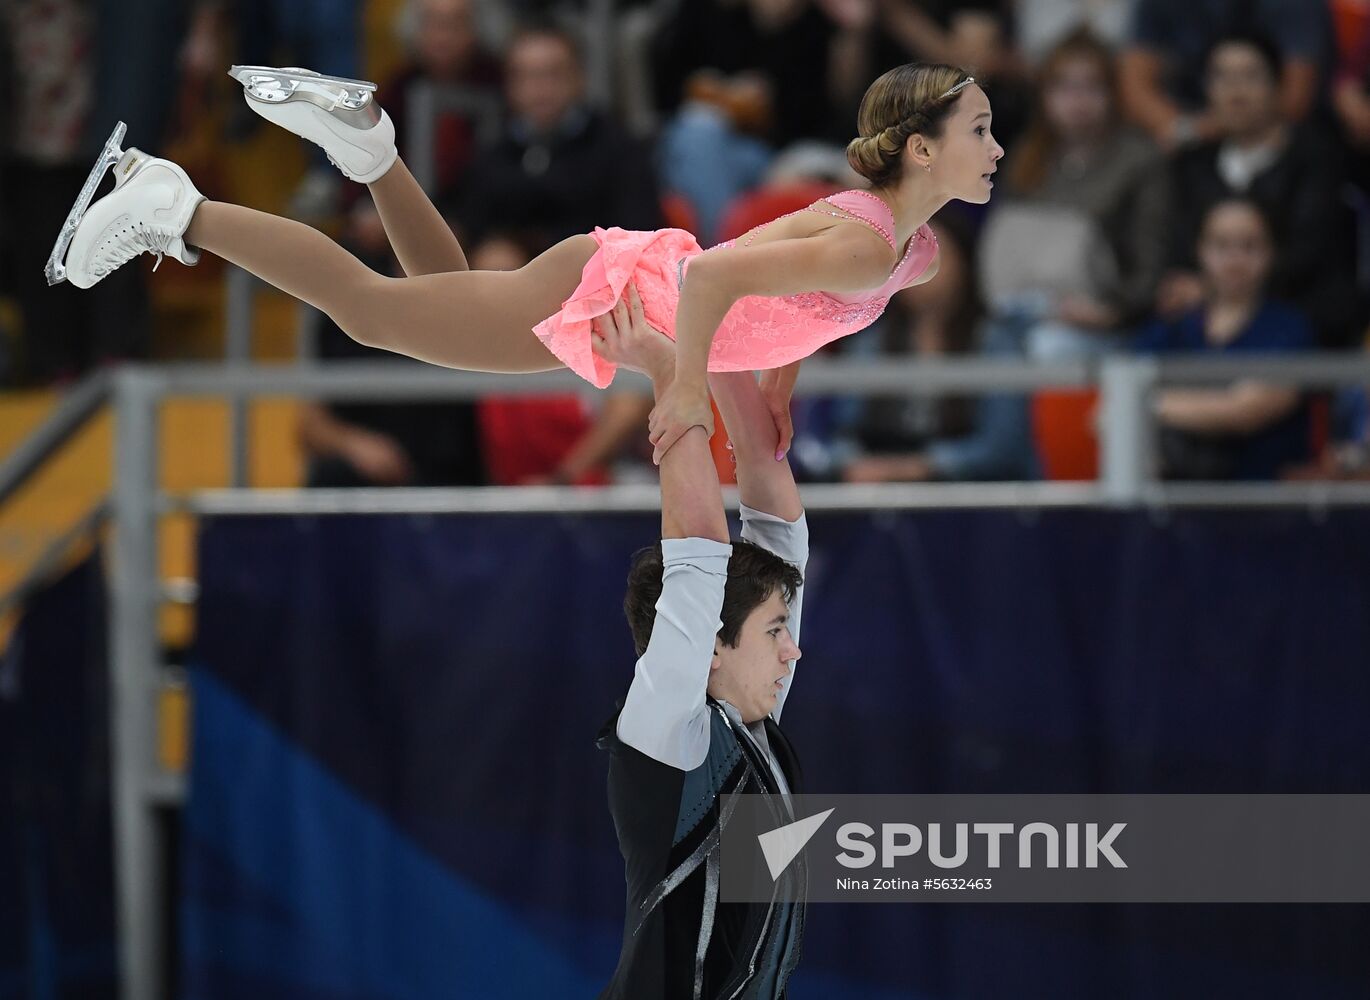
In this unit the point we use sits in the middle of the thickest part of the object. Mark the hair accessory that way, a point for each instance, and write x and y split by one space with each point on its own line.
958 88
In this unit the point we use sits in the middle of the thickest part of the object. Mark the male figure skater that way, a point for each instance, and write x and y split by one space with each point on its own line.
716 626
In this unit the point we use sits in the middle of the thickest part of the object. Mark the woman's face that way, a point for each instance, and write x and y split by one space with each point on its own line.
1235 252
1076 99
966 154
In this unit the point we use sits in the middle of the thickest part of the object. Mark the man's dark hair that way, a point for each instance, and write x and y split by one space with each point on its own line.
546 27
754 574
1251 38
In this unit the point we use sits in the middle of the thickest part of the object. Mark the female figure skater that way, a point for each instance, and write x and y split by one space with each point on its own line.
764 302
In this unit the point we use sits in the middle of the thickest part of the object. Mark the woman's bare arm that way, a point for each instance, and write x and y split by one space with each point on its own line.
839 259
1244 408
842 258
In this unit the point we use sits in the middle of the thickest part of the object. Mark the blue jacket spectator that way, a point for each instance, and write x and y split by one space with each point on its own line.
1295 174
1246 430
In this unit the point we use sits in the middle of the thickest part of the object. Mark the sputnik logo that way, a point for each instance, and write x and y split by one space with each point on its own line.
783 844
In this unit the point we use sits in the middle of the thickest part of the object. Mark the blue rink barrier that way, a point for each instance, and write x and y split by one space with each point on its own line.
395 792
57 930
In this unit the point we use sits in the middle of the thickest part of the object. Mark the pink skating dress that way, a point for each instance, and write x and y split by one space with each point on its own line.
759 331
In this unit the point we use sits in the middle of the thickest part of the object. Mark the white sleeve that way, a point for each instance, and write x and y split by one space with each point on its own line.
790 541
665 715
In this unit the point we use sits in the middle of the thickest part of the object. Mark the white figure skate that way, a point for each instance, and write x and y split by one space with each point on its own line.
147 212
337 114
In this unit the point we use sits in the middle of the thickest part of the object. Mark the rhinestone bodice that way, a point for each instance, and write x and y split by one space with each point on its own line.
759 331
770 331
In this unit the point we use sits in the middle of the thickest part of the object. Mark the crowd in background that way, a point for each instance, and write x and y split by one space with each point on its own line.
1181 176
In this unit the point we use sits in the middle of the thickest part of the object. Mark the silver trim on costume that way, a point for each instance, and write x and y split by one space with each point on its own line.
760 943
708 853
706 921
686 868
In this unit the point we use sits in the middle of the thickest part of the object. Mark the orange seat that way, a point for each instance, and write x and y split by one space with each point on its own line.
1063 428
1319 423
678 213
756 208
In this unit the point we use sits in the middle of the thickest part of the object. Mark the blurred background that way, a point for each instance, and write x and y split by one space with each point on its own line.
306 646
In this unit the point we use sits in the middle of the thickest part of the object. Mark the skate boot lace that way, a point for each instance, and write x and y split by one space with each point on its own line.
131 241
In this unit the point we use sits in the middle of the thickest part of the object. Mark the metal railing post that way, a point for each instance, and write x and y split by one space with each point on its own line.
71 414
600 42
420 144
241 305
426 102
133 653
1125 428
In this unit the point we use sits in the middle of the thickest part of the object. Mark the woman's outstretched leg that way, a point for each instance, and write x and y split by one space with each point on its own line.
360 139
419 235
476 320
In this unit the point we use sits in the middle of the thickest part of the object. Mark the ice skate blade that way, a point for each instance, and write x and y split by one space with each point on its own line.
273 85
293 74
56 271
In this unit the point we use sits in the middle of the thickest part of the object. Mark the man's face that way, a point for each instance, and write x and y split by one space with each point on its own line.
544 80
749 676
446 37
1242 92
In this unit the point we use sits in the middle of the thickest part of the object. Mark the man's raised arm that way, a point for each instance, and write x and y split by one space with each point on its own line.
763 483
772 512
665 715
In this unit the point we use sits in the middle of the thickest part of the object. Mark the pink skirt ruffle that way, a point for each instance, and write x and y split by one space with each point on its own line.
647 259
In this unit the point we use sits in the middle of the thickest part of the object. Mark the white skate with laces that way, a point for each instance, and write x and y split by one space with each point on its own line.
148 211
335 113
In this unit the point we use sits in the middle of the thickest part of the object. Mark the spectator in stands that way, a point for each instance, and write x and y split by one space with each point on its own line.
1246 430
1165 62
385 444
560 167
971 33
1094 191
916 438
740 80
1040 25
782 43
324 35
554 440
49 124
1351 87
1347 455
8 335
1294 172
445 53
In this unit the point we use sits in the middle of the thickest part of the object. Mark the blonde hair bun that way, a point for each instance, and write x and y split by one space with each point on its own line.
912 99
